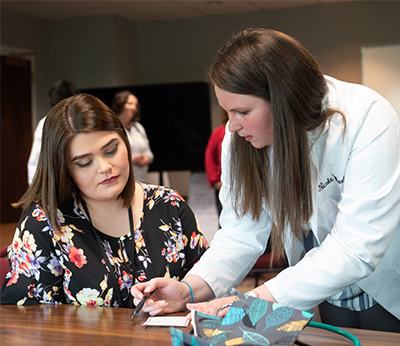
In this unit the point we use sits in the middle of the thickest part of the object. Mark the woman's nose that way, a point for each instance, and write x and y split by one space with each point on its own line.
104 166
233 125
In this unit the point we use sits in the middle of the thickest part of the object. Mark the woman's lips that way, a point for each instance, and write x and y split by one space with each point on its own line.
109 180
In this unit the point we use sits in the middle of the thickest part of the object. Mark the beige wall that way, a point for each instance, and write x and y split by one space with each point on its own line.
381 71
111 51
334 33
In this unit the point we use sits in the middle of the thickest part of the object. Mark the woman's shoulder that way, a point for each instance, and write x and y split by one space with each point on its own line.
35 211
33 225
157 193
219 131
138 127
66 213
363 109
353 98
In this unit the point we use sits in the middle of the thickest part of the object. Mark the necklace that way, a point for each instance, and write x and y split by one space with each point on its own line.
106 259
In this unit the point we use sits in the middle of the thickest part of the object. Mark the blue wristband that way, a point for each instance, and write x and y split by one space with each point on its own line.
191 291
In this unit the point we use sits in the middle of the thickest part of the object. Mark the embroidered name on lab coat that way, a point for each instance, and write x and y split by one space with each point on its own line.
324 184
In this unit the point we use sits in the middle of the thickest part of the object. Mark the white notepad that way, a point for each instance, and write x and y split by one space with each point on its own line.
167 321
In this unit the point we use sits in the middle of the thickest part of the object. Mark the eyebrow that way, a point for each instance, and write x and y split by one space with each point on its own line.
238 109
78 157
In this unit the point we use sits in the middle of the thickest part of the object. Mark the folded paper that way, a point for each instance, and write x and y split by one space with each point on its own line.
167 321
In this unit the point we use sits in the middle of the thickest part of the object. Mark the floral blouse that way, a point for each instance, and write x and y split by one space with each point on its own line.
67 266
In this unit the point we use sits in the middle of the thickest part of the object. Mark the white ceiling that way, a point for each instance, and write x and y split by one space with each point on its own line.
142 11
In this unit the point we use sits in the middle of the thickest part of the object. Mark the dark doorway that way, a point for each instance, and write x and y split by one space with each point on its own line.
16 133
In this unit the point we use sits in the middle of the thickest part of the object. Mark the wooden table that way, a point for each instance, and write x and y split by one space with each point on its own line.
75 325
7 231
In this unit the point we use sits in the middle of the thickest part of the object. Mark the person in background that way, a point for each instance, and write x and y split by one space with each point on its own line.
313 164
61 90
126 106
212 158
88 230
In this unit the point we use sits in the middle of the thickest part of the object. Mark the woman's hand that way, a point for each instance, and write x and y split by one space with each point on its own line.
140 160
217 185
169 295
211 307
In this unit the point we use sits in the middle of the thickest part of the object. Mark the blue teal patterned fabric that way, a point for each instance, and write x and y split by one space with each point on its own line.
249 321
180 338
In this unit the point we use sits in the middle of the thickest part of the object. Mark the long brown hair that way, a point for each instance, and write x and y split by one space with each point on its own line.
274 66
52 184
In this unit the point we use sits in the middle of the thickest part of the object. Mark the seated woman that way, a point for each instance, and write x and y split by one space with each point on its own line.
89 231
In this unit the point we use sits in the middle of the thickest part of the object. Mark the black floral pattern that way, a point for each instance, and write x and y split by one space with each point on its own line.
67 266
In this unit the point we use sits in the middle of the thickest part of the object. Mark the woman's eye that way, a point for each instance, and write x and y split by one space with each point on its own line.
84 164
112 152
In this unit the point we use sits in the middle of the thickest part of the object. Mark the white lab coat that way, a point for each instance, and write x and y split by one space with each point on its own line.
356 217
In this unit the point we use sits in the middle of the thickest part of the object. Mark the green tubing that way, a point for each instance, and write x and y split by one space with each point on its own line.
335 330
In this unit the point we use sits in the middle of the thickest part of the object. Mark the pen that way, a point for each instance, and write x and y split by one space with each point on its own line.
141 303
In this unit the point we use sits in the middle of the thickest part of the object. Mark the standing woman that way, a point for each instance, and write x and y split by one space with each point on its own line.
58 92
89 231
126 106
313 163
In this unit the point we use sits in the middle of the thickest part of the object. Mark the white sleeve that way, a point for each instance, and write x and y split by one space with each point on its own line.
35 150
367 216
146 141
237 245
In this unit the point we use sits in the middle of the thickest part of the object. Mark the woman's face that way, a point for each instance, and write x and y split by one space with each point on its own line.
249 116
131 106
98 164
